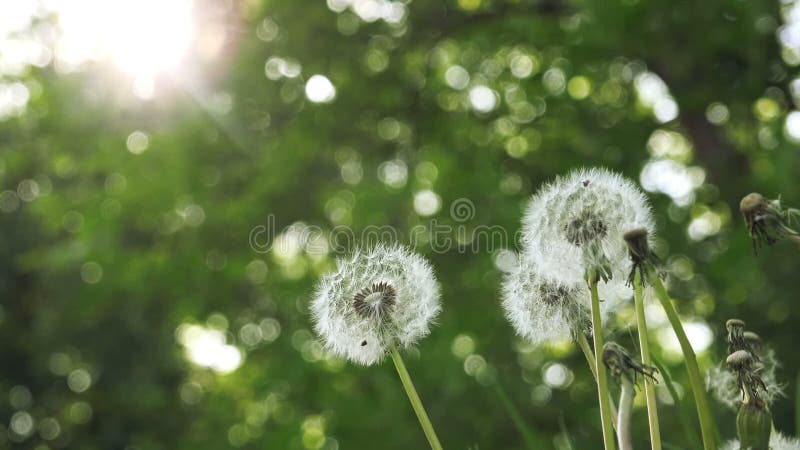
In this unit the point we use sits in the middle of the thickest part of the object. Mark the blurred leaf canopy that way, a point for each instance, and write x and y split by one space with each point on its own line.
127 211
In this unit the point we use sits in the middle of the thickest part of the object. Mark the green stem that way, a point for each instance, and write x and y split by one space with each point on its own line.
649 387
624 418
413 397
700 399
600 368
587 352
516 417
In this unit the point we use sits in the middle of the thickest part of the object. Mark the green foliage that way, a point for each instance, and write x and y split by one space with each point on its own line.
103 271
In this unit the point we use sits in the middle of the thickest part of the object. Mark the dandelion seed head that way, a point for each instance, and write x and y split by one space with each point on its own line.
542 310
586 209
374 297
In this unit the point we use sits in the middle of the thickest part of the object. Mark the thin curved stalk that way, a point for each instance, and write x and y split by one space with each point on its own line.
600 368
696 381
649 387
413 397
516 417
624 418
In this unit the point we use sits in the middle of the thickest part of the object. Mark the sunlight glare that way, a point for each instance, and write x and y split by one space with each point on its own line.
143 38
206 347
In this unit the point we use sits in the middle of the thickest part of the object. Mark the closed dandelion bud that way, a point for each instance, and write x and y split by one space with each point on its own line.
574 225
754 426
777 441
376 297
639 252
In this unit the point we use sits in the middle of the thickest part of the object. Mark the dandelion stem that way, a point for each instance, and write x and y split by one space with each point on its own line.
413 397
587 352
624 417
649 387
600 369
516 417
701 402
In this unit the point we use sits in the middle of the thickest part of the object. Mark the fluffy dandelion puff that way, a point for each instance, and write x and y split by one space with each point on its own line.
777 441
542 310
375 297
577 222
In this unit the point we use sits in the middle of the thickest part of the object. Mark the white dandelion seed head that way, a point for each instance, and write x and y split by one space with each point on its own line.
375 296
543 310
586 208
777 441
722 383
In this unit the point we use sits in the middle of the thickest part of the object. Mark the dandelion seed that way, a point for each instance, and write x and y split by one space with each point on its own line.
576 223
376 297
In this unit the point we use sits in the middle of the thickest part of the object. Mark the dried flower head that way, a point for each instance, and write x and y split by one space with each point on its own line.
375 297
768 221
748 372
640 253
620 364
544 310
574 225
723 383
777 441
736 340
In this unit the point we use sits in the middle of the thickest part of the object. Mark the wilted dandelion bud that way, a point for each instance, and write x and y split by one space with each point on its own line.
639 252
750 371
375 297
544 310
739 360
621 365
736 340
767 221
754 342
574 225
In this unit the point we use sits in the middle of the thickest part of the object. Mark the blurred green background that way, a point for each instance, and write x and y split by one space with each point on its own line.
142 142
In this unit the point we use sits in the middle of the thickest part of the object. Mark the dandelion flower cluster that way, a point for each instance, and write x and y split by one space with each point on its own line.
577 223
374 298
544 311
572 225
